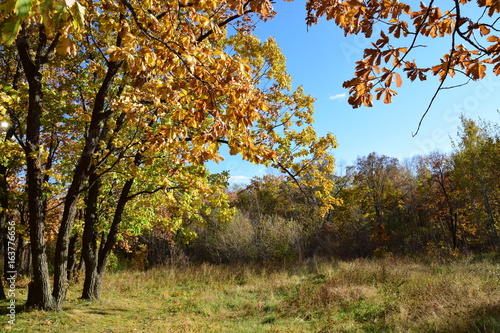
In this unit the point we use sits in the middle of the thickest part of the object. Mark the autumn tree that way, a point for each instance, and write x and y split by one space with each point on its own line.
470 30
381 181
144 92
443 198
475 160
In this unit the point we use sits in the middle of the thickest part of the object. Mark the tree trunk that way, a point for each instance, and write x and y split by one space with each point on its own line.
22 256
89 241
96 262
2 292
72 256
63 238
23 250
39 295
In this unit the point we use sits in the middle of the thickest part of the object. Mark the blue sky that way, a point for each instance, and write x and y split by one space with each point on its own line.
321 59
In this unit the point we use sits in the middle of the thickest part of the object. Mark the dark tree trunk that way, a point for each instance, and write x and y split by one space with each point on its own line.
98 260
22 256
39 295
72 256
89 242
2 292
63 237
23 250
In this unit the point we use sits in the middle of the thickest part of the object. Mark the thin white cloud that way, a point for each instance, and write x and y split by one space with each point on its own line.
338 96
239 179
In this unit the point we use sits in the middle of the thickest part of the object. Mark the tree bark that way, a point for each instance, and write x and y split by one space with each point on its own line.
98 260
89 241
22 256
2 292
39 295
72 256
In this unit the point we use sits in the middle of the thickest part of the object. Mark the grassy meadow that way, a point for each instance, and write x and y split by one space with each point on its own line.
378 295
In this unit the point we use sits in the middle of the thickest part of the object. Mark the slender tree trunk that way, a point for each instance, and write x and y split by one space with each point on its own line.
95 274
22 256
89 241
72 256
2 292
63 239
97 259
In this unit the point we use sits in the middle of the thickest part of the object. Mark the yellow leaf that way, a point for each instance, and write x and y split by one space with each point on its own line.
233 150
10 31
66 46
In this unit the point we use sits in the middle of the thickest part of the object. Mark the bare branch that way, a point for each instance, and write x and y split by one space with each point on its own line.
442 80
130 197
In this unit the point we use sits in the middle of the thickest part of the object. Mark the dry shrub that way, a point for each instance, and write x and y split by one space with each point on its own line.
248 239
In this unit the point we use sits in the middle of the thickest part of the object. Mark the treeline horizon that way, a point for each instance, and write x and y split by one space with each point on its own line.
440 205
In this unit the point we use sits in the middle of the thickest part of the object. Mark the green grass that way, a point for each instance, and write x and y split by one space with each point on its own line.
384 295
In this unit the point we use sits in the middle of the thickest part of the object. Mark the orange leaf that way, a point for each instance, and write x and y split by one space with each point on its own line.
493 39
399 81
388 98
484 30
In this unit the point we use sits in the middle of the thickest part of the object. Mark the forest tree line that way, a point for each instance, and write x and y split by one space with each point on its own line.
439 204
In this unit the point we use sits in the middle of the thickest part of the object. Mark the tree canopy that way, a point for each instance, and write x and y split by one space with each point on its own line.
113 100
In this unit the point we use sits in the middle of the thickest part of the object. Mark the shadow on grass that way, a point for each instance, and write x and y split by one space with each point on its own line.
103 312
484 319
89 308
4 307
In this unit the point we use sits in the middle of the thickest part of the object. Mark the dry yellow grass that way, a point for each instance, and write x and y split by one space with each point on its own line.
382 295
